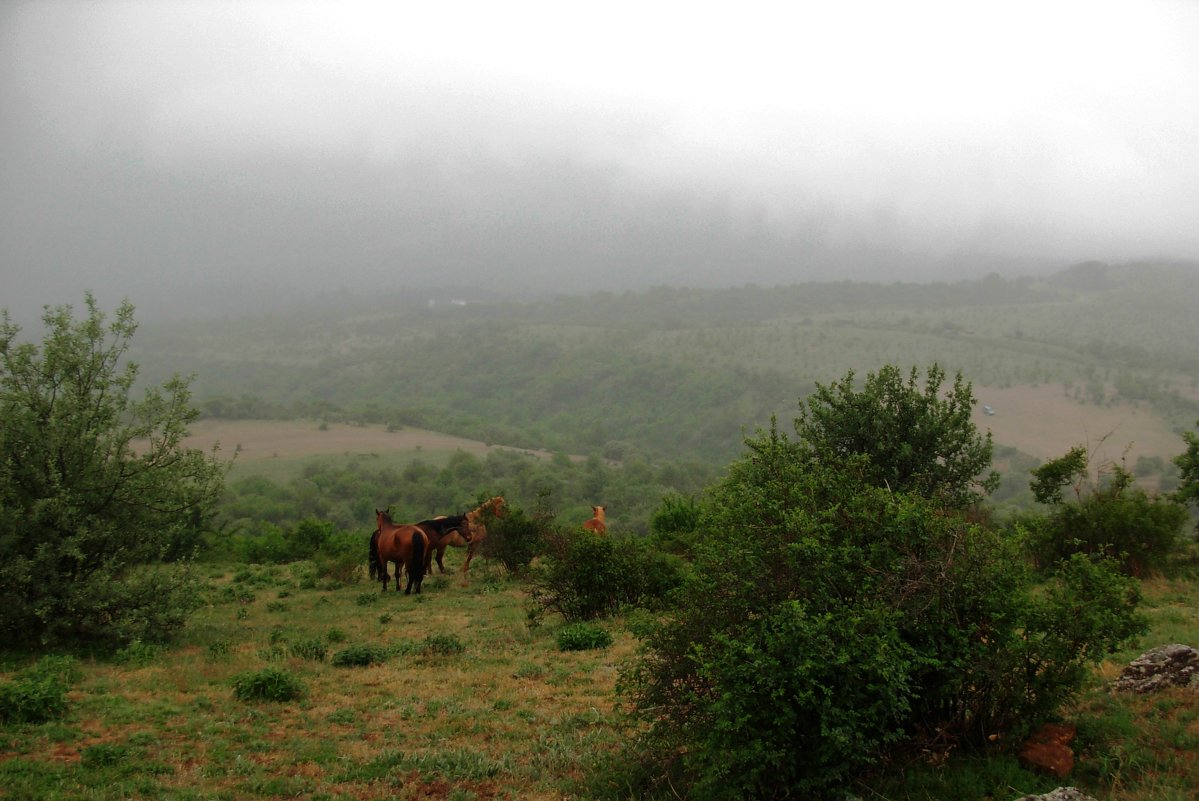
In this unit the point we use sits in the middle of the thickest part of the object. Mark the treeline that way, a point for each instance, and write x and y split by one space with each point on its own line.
345 495
683 373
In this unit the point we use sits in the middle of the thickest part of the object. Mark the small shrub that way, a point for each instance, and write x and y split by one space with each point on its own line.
360 656
137 654
39 693
276 606
220 649
515 539
268 684
335 635
313 649
583 637
103 755
367 598
442 645
344 717
587 576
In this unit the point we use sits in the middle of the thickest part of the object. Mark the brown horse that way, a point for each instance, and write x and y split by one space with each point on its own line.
596 524
438 529
476 523
403 544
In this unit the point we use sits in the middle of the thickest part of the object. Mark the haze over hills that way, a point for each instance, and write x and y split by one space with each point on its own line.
673 373
205 158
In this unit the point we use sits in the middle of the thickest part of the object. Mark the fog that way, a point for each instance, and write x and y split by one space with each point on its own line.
208 155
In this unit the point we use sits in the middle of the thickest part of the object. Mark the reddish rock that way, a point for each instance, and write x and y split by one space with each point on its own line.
1048 750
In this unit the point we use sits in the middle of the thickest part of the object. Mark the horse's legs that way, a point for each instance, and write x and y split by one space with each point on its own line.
440 553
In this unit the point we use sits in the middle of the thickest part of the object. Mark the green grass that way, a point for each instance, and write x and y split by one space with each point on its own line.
469 703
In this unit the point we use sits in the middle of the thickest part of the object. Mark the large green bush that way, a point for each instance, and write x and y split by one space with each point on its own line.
95 486
828 621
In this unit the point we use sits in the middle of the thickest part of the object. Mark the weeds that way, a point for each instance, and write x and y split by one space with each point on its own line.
268 684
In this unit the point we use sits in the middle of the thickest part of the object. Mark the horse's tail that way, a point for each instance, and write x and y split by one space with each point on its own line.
419 542
376 569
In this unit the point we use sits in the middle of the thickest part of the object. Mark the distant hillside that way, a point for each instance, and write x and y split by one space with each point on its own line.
681 373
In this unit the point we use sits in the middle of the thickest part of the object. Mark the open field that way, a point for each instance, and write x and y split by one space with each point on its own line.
486 709
278 449
1043 421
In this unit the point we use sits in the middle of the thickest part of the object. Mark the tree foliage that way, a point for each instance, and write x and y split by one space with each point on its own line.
828 621
1188 467
915 438
1108 515
95 486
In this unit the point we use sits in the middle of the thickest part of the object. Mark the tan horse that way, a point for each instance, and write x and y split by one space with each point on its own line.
596 524
476 522
403 544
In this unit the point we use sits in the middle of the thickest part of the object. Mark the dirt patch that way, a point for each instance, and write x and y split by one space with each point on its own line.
1043 421
264 439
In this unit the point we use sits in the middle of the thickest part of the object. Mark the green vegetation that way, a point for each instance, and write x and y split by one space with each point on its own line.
267 684
85 518
672 374
583 637
845 613
912 439
1107 516
831 621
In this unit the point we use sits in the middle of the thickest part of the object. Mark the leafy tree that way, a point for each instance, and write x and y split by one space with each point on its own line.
1188 467
916 439
95 486
828 622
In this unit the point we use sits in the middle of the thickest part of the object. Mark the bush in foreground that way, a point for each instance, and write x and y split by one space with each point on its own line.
829 622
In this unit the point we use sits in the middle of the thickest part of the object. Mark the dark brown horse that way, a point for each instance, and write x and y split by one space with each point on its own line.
403 544
438 529
476 524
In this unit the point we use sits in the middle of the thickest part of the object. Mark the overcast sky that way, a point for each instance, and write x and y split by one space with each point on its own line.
171 149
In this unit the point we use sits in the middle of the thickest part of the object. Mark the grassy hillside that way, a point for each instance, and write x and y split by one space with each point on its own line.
468 704
673 373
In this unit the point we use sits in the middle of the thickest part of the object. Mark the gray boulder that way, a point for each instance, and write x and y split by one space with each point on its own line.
1060 794
1165 666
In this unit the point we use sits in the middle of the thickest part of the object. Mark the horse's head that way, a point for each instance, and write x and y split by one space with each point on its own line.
381 518
496 505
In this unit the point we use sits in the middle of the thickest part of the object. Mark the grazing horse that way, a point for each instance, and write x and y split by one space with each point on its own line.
438 529
476 524
403 544
596 524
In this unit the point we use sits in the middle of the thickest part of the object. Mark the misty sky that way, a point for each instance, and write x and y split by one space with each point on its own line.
173 152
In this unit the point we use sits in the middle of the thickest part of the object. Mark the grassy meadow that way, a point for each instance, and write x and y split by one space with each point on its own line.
465 700
469 702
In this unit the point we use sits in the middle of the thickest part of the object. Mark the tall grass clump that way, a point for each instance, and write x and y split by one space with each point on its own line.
38 694
267 684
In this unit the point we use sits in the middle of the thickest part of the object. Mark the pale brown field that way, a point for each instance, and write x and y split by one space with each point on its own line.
1043 421
253 440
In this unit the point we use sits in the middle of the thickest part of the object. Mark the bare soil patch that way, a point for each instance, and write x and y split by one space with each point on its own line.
266 439
1043 421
